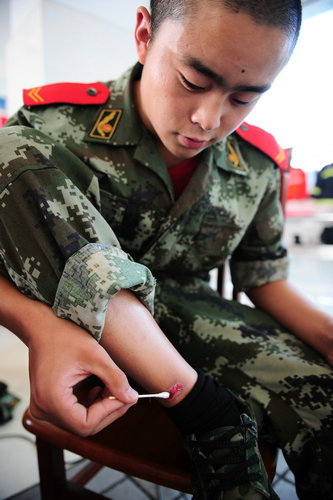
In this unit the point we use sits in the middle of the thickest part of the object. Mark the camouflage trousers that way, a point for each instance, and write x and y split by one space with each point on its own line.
288 385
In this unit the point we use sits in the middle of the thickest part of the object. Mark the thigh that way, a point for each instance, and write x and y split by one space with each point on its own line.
248 352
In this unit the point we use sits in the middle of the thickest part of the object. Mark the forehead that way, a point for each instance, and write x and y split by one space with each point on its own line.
219 37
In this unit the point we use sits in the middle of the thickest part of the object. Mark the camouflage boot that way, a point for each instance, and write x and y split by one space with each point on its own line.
227 464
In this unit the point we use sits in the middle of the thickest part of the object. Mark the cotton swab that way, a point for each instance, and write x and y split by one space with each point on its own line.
162 395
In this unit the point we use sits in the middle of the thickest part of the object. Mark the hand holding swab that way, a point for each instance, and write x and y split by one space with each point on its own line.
162 395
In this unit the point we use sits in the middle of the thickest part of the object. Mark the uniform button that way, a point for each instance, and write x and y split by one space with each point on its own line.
91 91
244 127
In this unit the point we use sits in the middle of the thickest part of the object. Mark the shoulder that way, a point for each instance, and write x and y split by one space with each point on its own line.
265 142
67 93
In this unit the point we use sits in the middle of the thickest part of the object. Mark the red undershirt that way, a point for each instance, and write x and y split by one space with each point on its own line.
181 174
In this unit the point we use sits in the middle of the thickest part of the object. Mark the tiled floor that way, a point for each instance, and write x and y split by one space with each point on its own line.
311 270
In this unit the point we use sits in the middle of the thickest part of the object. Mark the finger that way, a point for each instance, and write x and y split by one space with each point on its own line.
89 421
115 380
107 420
81 420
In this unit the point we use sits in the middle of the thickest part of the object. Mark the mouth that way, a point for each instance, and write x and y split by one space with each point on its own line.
193 143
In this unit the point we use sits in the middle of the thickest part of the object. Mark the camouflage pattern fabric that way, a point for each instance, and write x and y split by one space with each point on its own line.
88 208
287 383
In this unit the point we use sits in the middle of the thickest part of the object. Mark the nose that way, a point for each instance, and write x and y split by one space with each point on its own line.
208 112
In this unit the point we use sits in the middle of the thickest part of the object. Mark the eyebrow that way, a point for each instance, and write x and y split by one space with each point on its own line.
204 70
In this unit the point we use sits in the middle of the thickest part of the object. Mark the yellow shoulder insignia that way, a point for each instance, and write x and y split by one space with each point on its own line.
233 156
106 124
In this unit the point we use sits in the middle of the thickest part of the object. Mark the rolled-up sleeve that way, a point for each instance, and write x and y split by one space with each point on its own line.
91 277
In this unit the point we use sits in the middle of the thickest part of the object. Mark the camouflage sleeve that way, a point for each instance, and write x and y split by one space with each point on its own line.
261 257
91 277
54 244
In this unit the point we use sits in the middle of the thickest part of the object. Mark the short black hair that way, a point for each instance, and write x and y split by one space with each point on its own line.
283 14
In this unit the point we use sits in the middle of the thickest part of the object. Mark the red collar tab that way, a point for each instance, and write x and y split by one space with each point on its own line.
69 93
265 142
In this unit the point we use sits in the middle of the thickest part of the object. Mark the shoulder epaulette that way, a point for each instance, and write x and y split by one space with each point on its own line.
265 142
67 93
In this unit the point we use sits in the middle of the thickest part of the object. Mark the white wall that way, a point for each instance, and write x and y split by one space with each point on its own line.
4 35
24 55
66 40
82 45
314 7
298 110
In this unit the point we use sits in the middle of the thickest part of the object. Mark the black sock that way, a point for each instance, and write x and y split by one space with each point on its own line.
205 408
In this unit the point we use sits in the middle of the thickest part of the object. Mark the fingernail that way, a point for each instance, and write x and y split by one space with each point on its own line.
132 393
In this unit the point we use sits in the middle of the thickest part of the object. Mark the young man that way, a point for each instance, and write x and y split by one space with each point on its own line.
151 181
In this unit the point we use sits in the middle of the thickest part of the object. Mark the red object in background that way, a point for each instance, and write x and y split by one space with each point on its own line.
3 116
297 188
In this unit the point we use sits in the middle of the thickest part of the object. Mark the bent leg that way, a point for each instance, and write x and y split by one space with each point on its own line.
287 383
138 346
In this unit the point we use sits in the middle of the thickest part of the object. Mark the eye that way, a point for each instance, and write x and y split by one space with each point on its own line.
189 85
240 102
245 98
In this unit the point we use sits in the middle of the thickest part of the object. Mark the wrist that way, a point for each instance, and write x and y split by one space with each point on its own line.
20 314
32 320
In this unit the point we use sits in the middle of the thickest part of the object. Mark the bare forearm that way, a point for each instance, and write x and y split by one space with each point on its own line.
18 313
61 355
139 347
131 336
298 315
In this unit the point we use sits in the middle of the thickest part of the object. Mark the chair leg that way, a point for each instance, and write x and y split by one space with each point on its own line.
52 476
51 469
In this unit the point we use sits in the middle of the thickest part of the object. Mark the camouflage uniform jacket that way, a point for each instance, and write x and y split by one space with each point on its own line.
107 216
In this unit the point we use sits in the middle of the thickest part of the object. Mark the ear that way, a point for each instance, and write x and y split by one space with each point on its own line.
142 33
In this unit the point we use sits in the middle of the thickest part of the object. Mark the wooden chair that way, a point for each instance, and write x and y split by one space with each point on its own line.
144 443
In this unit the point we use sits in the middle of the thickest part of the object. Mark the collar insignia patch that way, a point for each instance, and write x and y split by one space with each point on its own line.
233 156
106 124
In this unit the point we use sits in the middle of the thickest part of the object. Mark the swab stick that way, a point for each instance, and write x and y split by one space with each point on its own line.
163 395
